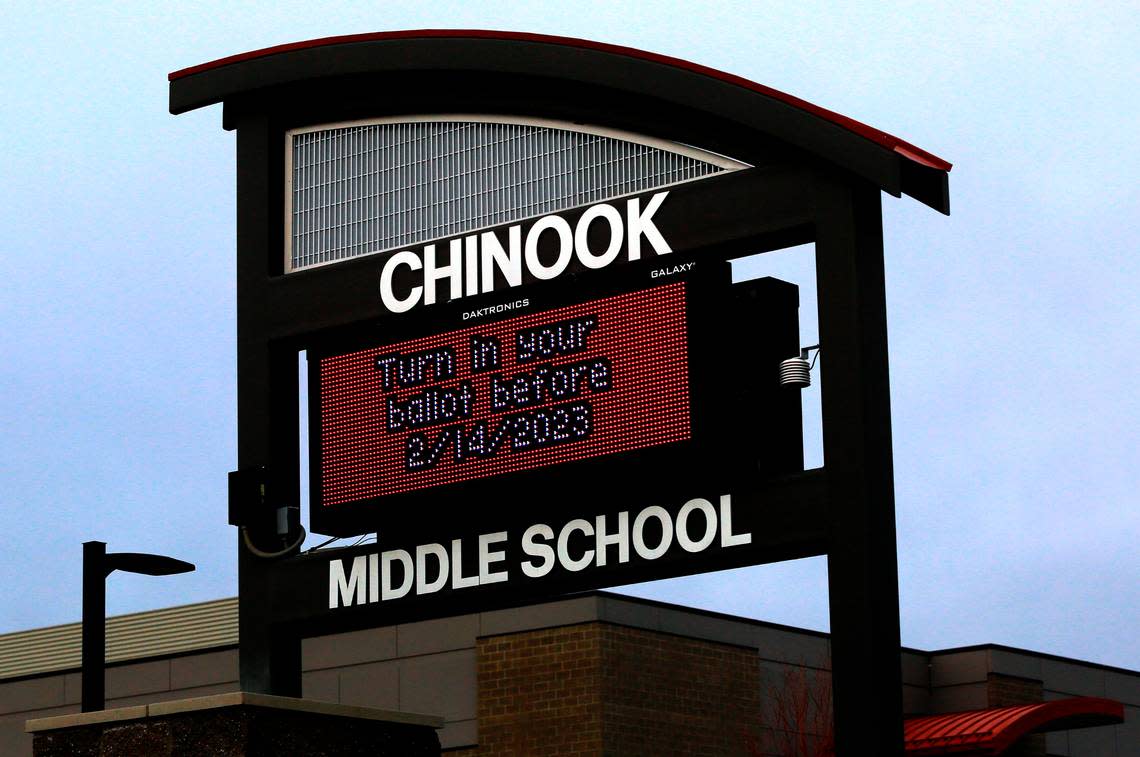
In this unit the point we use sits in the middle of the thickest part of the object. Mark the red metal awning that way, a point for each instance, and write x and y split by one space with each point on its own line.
992 731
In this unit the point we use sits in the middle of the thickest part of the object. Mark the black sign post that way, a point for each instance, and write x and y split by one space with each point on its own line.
862 567
812 176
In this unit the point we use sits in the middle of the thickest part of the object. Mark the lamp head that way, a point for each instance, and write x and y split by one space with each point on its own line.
147 564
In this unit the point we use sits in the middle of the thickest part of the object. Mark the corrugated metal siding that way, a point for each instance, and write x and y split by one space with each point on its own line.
129 637
361 189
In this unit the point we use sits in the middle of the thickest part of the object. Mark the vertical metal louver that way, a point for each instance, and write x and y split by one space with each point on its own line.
365 188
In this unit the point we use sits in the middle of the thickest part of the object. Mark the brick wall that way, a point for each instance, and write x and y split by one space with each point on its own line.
600 689
1006 690
540 692
672 695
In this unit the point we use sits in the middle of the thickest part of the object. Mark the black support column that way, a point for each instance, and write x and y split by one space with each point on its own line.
862 562
269 656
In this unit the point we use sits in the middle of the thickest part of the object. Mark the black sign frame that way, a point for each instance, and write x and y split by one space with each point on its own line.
817 177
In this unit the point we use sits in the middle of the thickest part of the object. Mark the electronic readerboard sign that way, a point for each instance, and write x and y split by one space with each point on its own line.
543 393
522 393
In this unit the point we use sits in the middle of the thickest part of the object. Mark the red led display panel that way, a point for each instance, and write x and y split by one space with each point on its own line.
581 381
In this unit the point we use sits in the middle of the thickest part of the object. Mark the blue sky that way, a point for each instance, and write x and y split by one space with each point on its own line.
1013 323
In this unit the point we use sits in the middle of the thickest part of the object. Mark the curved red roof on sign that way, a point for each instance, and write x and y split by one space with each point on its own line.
899 146
992 731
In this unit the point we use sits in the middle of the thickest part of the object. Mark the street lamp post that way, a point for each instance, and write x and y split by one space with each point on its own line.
97 565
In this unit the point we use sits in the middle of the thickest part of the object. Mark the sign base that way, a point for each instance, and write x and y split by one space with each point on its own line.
236 725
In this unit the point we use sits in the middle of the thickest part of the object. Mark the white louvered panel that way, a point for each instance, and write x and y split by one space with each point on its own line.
366 188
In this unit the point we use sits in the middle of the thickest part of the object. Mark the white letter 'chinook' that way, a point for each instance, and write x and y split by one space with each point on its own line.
469 267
